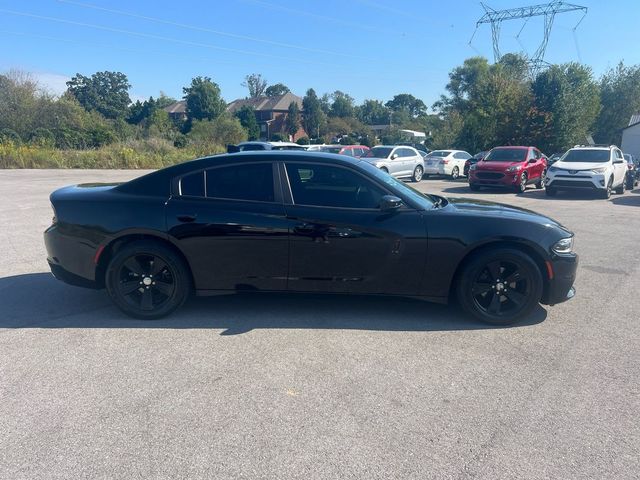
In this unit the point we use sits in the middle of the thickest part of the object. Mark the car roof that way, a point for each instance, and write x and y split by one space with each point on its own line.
520 147
273 144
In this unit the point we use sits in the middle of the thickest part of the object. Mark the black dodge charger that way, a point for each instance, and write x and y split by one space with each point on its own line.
298 222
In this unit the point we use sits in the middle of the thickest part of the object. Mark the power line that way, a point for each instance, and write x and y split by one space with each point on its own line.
207 30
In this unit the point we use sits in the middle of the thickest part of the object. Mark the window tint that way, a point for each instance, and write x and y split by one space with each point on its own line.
406 152
348 151
192 185
329 186
242 182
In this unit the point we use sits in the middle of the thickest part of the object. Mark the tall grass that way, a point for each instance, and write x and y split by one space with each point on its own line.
150 153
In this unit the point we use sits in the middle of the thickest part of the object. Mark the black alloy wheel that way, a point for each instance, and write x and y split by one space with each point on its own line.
500 286
147 280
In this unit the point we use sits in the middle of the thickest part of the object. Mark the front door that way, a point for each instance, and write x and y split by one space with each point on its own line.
230 224
342 242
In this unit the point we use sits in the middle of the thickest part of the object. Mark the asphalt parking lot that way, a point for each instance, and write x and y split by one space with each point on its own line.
309 387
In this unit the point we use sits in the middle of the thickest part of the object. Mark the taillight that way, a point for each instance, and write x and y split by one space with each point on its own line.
444 162
54 220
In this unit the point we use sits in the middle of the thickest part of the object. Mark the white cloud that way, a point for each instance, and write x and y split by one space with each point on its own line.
53 83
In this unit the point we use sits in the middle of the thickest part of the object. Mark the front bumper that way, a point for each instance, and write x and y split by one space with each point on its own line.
575 181
494 179
560 287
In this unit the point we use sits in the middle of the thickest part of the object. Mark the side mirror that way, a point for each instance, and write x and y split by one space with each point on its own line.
532 160
390 202
394 156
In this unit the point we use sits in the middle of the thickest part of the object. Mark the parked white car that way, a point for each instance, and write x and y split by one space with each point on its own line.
600 169
398 161
446 162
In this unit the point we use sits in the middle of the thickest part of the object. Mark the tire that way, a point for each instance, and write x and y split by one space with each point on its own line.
147 280
540 182
623 186
455 173
551 192
606 193
417 174
522 185
511 296
474 187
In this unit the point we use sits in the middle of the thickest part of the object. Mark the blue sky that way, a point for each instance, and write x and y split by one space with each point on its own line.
369 49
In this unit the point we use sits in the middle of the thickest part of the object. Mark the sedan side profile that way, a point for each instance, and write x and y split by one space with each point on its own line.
302 222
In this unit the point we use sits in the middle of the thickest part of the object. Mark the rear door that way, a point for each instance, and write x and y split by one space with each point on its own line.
230 223
341 241
620 169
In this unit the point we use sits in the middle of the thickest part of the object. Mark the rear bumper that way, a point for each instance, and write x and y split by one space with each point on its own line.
560 288
71 278
70 260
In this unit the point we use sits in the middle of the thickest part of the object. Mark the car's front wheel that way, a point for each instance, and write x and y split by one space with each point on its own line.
522 183
147 280
500 285
606 193
455 173
622 187
417 174
540 182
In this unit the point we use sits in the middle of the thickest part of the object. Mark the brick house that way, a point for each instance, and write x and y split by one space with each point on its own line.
271 113
177 110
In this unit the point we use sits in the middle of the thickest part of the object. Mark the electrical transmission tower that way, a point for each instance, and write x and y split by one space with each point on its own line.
548 10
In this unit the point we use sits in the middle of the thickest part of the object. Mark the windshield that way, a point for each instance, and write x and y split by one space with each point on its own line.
506 155
440 153
378 152
596 156
330 149
422 199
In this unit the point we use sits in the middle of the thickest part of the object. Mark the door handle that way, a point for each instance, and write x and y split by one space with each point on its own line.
304 228
186 218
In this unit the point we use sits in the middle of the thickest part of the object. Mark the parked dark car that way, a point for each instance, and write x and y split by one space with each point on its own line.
302 222
633 171
509 167
473 160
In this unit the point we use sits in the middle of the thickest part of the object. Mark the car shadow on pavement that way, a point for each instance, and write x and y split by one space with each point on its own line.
630 201
37 300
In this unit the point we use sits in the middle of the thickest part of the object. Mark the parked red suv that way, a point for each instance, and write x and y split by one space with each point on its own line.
511 167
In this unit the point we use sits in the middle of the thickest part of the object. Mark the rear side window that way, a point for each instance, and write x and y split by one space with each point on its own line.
252 182
192 185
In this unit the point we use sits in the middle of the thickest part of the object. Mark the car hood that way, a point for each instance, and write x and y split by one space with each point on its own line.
496 166
491 209
579 165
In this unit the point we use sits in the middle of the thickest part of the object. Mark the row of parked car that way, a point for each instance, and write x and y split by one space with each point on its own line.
600 168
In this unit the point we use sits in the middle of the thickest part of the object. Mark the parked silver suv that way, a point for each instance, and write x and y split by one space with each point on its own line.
398 161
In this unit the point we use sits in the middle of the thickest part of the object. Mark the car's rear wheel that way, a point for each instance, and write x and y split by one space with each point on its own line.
500 285
417 174
540 182
522 183
147 280
455 173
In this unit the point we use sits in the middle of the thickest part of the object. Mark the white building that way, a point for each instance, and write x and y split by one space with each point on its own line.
631 137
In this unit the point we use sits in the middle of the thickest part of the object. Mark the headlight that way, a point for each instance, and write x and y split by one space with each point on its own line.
553 169
599 170
563 246
473 167
515 168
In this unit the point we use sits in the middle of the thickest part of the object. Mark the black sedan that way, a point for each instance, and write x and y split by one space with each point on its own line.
300 222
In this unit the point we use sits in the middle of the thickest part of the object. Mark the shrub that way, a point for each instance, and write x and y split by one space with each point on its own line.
278 137
42 137
10 136
303 141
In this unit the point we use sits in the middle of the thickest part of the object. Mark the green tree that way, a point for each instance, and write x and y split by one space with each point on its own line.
139 111
225 129
373 112
408 103
203 99
104 92
247 117
620 99
256 85
293 119
276 90
314 117
571 96
342 105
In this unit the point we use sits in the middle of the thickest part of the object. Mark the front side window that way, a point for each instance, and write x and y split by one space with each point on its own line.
252 182
330 186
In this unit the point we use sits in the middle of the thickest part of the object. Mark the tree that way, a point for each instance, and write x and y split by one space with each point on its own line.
276 90
314 117
247 117
139 111
104 92
203 99
620 98
572 98
225 129
342 105
293 119
256 84
408 103
373 112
